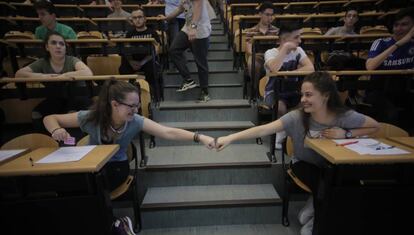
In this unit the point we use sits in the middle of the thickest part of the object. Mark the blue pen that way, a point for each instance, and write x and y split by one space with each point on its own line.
381 148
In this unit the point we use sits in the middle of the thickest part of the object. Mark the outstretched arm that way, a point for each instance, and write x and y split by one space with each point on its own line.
171 133
250 133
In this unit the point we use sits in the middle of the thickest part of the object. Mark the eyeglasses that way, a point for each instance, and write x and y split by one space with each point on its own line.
131 106
54 43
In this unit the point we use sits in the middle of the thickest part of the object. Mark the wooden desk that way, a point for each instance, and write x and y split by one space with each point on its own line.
62 198
341 155
363 194
92 162
406 141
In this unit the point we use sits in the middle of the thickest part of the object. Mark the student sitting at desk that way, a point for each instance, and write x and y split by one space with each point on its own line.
113 120
140 62
321 115
118 13
289 56
55 65
47 15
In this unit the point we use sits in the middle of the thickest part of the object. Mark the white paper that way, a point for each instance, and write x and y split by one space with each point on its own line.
6 154
67 154
371 146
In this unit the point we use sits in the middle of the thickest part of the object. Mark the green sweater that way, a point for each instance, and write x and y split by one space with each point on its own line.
66 31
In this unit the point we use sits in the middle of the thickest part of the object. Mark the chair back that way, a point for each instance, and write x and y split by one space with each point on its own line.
18 35
145 97
89 35
262 85
104 65
378 29
31 141
311 31
389 130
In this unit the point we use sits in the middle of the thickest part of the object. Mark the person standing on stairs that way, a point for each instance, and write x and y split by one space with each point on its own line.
321 115
194 35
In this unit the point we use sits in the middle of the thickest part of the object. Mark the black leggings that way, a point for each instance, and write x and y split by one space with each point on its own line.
116 173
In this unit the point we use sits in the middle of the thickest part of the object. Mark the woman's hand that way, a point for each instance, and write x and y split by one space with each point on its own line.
222 142
333 133
60 134
207 141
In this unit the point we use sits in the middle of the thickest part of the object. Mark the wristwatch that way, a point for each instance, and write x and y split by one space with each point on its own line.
348 134
193 26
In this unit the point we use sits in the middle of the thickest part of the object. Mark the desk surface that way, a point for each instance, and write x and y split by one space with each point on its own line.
407 141
92 162
340 155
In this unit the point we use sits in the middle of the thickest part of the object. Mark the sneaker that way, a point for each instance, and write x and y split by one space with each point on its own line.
187 85
122 226
204 97
307 212
307 228
128 224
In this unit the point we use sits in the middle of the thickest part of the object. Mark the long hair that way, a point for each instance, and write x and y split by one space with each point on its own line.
46 41
101 110
323 82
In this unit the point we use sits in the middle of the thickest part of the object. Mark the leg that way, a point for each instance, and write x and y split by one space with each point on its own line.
199 47
178 46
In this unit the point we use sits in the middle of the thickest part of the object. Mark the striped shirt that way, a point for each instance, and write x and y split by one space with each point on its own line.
255 31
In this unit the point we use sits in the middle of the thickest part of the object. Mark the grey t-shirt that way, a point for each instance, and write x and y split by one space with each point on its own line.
95 138
292 124
204 25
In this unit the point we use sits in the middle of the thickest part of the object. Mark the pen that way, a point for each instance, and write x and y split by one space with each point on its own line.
31 161
381 148
348 143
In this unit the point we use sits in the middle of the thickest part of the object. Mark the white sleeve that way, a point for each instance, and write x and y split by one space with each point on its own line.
302 53
270 54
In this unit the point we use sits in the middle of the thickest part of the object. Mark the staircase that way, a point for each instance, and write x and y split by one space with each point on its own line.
186 188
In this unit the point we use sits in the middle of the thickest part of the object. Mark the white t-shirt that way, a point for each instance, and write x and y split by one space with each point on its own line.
290 62
204 25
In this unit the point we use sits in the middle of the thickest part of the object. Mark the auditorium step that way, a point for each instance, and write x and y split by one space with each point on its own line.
198 156
216 91
244 229
213 66
216 78
165 207
213 56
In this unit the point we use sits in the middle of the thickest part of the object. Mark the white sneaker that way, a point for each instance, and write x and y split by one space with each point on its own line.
280 136
307 212
307 228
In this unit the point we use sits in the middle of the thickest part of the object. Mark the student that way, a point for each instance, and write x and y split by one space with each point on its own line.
194 35
56 64
392 53
288 56
321 115
263 28
47 15
118 12
113 120
350 19
175 24
140 62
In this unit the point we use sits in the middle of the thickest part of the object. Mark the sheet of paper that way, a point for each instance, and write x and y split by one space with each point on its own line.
6 154
371 146
67 154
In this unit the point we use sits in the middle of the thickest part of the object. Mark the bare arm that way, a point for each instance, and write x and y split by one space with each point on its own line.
81 70
197 7
370 126
250 133
305 64
57 123
171 133
276 63
27 72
